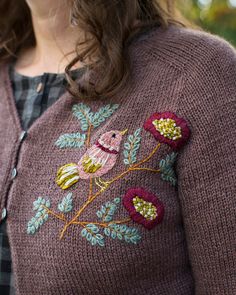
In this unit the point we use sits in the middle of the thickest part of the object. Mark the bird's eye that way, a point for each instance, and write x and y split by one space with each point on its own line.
113 135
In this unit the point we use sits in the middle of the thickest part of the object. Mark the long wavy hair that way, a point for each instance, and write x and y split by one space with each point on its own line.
108 26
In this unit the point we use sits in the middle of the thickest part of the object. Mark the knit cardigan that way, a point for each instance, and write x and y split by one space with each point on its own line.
133 194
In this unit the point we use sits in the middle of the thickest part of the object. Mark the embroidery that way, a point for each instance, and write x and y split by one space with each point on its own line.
97 161
66 204
91 233
67 175
143 206
71 140
123 232
168 128
88 118
112 229
108 210
167 170
99 158
41 207
131 147
91 230
88 121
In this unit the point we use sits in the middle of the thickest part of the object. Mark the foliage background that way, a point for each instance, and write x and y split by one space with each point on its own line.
216 16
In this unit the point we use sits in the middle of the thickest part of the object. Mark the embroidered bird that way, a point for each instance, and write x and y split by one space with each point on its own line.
97 161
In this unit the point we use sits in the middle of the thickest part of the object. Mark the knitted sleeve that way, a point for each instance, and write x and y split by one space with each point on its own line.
206 170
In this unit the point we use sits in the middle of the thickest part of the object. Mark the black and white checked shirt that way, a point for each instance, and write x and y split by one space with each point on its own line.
33 95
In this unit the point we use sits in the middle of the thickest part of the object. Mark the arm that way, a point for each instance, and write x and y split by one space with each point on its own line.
206 172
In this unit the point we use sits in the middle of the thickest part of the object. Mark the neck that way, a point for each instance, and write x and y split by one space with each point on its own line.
55 38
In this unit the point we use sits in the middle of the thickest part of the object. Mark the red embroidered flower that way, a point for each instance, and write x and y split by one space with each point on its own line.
143 207
168 128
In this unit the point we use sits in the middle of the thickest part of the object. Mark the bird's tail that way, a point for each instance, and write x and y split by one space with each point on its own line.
67 175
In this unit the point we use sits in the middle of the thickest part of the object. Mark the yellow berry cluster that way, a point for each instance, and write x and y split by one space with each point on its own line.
146 209
167 128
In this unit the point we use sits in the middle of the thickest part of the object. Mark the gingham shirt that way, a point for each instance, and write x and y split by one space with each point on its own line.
33 95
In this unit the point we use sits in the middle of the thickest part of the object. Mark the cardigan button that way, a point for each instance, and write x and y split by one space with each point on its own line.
4 213
13 173
39 87
23 135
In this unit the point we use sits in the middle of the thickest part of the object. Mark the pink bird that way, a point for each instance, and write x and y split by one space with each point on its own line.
97 161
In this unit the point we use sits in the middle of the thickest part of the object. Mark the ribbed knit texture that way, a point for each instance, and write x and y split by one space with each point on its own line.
192 251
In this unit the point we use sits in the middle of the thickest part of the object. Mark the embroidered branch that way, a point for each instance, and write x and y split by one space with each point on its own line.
143 206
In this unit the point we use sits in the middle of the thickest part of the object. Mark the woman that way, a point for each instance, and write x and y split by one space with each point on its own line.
117 177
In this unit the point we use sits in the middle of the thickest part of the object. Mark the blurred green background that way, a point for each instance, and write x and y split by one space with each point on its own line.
216 16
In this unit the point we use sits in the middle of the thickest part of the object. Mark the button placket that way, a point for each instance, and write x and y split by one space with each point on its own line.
21 139
14 172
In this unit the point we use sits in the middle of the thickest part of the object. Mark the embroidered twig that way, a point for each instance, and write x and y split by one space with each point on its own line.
61 217
88 145
89 135
148 157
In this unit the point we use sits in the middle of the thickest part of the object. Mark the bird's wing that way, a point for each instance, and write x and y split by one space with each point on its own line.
90 165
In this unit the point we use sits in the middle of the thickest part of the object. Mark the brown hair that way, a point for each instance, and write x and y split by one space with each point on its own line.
108 25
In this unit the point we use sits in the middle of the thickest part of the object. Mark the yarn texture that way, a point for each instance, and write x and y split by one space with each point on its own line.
134 194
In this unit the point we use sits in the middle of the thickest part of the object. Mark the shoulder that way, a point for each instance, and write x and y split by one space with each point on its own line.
185 48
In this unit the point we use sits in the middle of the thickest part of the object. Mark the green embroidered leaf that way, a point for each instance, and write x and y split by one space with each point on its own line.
91 233
71 140
39 204
103 113
40 217
131 147
66 204
167 168
82 112
108 210
123 232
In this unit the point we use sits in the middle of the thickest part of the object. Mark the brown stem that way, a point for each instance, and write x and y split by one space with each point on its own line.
148 157
89 135
61 217
88 145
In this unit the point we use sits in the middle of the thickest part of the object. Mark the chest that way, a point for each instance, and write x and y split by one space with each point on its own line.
94 190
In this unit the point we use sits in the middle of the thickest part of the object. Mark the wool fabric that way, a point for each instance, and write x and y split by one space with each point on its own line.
159 218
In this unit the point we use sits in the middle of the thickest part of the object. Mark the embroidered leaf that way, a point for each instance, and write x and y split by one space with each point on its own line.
71 140
91 233
131 147
103 113
40 217
82 112
166 168
40 203
108 210
66 204
123 232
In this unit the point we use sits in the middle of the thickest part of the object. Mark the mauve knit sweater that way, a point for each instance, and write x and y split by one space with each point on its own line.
92 237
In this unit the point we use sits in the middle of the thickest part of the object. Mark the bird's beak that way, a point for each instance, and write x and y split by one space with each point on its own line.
123 132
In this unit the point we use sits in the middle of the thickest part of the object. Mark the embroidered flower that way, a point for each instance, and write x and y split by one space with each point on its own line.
143 207
168 128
